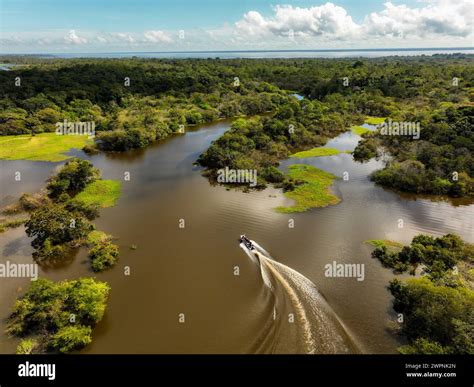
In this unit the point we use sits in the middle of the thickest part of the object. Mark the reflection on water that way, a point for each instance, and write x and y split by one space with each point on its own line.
191 270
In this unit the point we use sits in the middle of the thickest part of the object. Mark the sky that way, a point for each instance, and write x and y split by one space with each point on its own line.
88 26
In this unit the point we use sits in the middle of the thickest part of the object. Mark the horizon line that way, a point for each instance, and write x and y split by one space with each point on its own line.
251 51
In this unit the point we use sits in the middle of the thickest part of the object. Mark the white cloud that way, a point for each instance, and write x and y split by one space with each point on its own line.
125 37
433 20
324 20
44 41
101 39
73 38
157 37
427 23
446 18
12 40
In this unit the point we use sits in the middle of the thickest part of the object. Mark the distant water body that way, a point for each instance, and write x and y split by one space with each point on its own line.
333 53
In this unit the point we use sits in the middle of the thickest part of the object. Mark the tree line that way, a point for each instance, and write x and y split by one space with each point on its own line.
137 101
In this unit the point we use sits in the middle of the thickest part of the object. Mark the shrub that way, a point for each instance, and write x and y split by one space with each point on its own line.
70 338
103 255
26 347
365 150
272 175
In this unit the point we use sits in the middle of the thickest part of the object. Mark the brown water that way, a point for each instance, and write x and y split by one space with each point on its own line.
190 270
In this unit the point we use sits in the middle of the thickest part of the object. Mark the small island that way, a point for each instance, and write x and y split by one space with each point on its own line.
312 190
58 317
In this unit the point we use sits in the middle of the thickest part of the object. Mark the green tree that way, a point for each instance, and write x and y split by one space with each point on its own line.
436 318
57 225
72 178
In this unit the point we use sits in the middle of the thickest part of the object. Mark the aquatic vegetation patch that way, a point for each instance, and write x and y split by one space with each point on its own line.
316 152
102 193
103 253
313 191
375 120
12 223
97 236
359 130
384 243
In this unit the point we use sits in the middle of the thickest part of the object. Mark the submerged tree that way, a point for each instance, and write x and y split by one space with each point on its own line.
58 316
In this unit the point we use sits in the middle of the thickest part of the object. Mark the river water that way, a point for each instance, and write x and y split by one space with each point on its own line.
183 294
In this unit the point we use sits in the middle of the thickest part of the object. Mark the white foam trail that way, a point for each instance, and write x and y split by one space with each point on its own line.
300 311
297 286
261 249
252 256
266 262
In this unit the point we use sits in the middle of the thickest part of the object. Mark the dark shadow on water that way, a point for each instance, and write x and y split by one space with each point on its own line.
15 247
456 202
59 263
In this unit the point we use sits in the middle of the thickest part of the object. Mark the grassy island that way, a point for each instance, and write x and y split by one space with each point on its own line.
312 190
75 195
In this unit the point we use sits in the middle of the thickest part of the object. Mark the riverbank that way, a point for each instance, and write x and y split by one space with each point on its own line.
40 147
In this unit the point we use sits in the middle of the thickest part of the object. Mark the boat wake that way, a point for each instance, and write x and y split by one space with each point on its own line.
302 321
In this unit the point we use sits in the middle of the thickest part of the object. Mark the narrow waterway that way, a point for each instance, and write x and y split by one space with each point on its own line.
189 272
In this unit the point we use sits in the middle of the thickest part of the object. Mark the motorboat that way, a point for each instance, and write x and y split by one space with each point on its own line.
247 243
